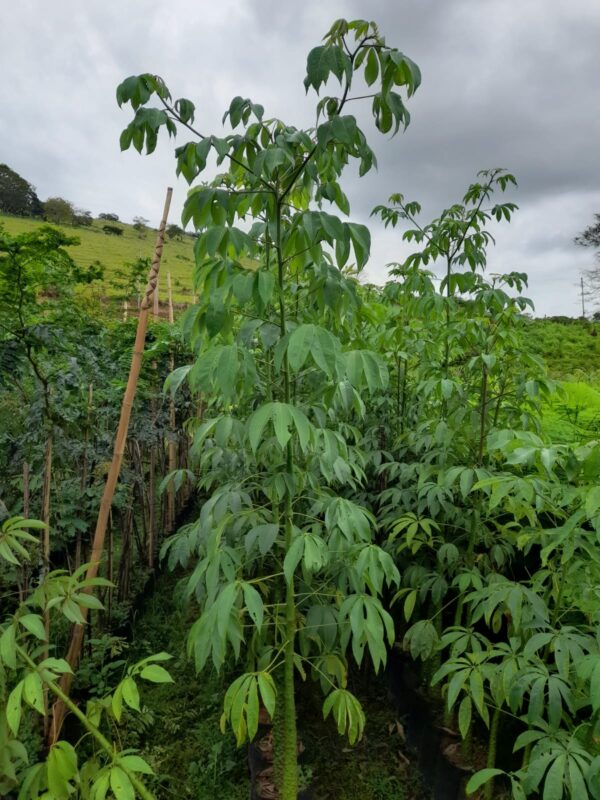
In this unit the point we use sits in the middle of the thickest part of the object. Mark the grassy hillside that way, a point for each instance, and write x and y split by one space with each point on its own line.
115 251
571 349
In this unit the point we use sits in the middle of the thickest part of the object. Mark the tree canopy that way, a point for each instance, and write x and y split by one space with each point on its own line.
17 196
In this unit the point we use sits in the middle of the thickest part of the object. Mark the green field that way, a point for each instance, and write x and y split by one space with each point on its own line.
115 251
571 350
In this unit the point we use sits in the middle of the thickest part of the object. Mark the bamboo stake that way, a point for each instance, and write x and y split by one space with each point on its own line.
151 483
155 299
115 467
125 310
172 424
170 298
84 467
151 507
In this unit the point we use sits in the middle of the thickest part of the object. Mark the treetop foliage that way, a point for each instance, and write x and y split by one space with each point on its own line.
17 196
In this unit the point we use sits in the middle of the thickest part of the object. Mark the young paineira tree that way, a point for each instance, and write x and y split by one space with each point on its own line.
286 561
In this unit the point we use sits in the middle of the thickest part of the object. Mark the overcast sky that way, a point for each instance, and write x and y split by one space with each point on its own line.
511 83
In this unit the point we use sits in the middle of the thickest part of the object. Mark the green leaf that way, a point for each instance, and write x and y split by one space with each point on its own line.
268 692
131 694
347 713
135 763
8 647
293 558
33 692
319 343
481 777
554 783
34 624
361 242
176 378
594 687
409 604
156 674
372 67
13 708
121 785
254 605
324 60
62 767
264 535
464 716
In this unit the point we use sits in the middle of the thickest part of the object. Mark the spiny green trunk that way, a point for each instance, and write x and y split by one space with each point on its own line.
491 757
289 788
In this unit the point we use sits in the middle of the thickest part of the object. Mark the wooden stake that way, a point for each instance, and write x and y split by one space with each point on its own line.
115 467
171 511
84 467
125 309
46 485
155 300
151 506
170 298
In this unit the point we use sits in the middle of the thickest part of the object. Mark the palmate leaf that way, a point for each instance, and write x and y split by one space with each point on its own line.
217 627
365 369
285 420
347 712
14 535
322 62
241 704
323 347
223 369
61 766
369 626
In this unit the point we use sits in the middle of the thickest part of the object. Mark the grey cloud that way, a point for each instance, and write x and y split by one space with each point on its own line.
504 83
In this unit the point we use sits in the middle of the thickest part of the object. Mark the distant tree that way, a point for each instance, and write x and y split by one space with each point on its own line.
59 211
82 217
17 196
590 237
109 217
140 224
131 279
112 230
175 232
590 278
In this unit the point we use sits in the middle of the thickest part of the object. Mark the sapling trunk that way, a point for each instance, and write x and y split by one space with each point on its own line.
24 577
488 793
46 485
26 489
289 788
447 328
105 745
482 414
